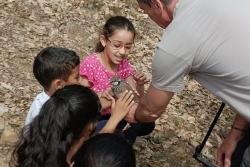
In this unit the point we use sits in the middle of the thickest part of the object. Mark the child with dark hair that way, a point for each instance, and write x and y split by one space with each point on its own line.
105 150
110 59
65 121
53 68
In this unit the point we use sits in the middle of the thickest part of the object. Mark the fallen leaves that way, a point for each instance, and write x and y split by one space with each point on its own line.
28 26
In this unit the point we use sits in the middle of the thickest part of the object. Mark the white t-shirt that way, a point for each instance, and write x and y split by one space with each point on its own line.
210 41
35 107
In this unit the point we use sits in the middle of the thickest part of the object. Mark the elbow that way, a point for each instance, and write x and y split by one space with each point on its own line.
154 114
150 111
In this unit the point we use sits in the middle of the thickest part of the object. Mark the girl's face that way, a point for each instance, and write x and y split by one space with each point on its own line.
119 45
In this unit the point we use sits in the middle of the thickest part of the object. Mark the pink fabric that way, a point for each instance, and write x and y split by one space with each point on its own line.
99 77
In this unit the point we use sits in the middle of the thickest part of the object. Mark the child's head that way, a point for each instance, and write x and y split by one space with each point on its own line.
56 67
109 150
65 120
123 32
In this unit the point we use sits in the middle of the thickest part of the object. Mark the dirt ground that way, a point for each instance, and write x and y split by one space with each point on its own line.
27 26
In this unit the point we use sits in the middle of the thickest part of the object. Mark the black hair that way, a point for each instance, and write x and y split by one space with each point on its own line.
61 123
105 150
147 2
54 63
113 24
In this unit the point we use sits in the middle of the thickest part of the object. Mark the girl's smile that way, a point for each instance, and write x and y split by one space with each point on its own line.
120 58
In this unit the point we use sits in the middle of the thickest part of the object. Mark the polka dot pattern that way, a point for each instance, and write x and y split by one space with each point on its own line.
99 77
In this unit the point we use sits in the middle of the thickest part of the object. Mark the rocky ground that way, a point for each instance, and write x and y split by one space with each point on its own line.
27 26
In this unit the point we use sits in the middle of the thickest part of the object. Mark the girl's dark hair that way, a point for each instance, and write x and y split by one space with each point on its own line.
105 150
113 24
60 124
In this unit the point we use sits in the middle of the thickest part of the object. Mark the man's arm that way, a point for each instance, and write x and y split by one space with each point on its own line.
152 105
168 74
228 146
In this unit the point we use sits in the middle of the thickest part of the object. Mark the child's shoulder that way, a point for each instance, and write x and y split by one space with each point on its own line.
41 97
125 60
90 61
91 57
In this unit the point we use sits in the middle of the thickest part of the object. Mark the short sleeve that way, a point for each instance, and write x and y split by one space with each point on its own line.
86 69
168 71
126 69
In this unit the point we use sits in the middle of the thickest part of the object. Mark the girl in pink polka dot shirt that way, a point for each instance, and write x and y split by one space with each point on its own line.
116 42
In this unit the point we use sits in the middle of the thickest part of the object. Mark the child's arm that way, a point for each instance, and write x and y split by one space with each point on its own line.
140 79
85 82
139 89
104 101
119 110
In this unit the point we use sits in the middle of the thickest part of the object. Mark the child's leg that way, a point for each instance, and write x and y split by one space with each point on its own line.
105 117
100 125
129 134
138 129
142 129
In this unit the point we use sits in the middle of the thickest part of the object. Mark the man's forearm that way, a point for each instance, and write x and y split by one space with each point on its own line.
152 105
143 114
239 125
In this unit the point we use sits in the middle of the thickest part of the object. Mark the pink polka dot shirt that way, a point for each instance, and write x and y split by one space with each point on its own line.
99 77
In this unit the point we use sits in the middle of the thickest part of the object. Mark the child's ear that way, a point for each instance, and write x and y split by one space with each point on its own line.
103 40
72 164
158 4
58 84
90 130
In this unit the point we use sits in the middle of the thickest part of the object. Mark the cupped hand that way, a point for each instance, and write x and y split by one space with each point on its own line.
106 94
121 107
130 117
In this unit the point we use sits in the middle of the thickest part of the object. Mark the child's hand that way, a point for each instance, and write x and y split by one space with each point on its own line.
134 89
121 107
140 78
106 94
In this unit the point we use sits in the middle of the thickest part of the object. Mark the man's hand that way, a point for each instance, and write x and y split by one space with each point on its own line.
228 146
226 150
130 118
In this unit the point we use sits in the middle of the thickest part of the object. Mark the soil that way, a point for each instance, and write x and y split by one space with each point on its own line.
27 26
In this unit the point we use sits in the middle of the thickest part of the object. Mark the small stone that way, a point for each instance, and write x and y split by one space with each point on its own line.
194 143
9 137
224 132
169 133
2 125
3 164
145 164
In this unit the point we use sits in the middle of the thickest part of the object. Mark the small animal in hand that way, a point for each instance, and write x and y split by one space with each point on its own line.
119 86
